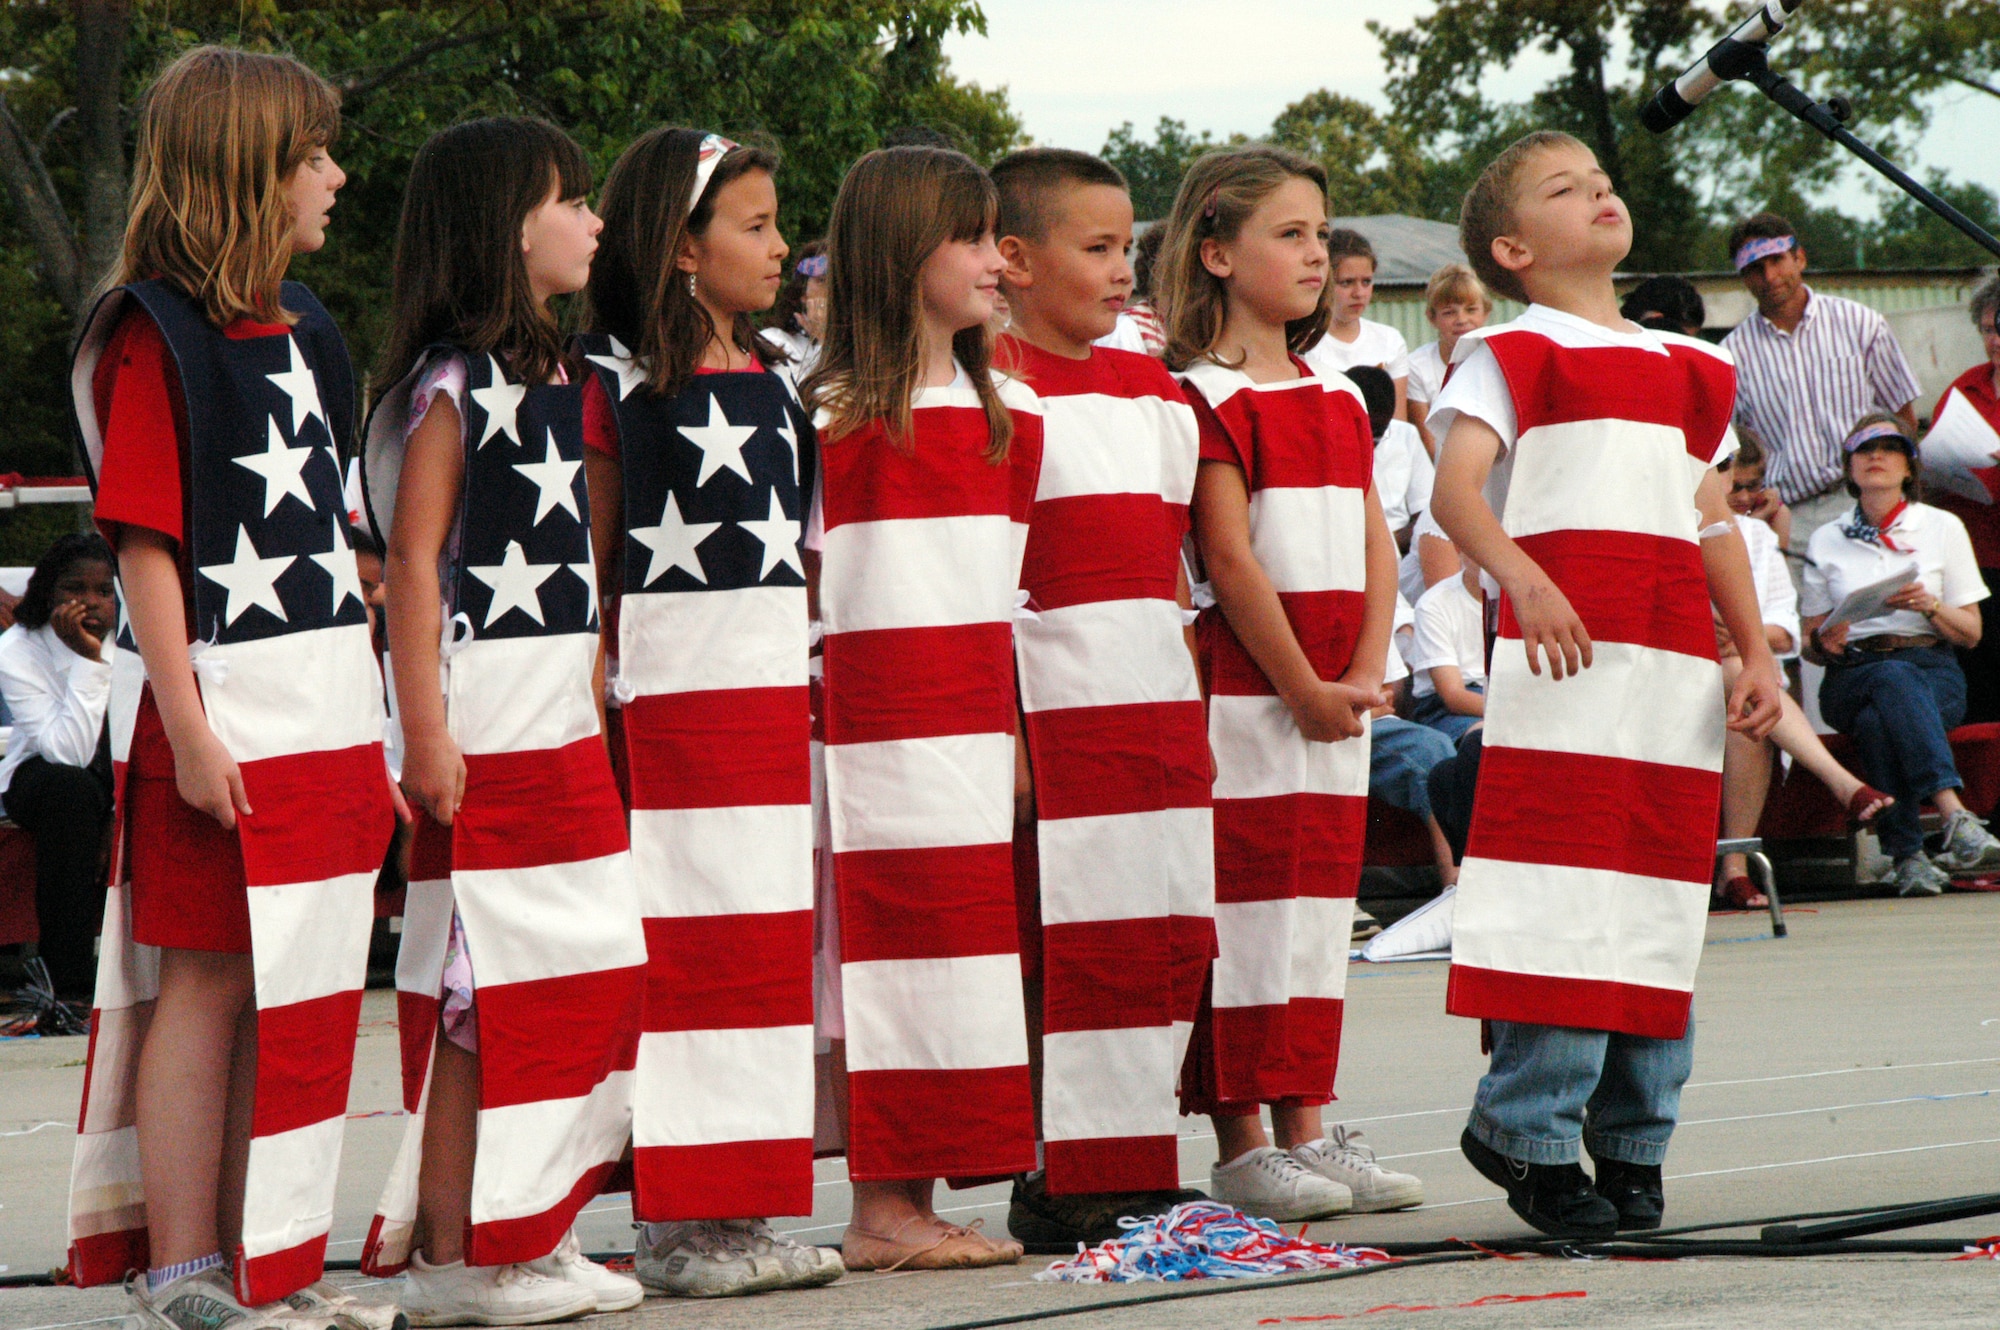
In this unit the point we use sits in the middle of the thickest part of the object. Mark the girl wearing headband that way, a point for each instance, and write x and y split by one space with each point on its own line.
701 462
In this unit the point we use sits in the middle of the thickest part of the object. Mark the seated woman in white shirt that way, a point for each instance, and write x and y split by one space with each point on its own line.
1892 682
1448 661
1746 762
55 781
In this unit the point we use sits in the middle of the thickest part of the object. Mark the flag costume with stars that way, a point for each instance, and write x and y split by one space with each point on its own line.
536 865
288 683
712 696
1289 812
1120 860
919 568
1583 898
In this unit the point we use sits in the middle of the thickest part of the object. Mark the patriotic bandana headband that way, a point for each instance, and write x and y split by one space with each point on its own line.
1881 429
714 148
812 267
1763 247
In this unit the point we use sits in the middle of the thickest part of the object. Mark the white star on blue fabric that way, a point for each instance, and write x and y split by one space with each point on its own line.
299 384
586 573
555 480
721 443
516 583
341 567
282 467
500 400
249 578
789 435
620 362
780 536
673 544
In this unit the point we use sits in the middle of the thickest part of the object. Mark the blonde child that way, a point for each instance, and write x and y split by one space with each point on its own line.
699 459
1293 654
246 719
522 956
1456 302
929 459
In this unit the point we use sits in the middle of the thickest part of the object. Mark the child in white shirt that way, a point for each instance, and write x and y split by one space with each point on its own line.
1448 662
1455 303
1350 339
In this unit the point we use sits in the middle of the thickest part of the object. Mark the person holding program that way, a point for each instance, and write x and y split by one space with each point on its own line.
1113 861
1351 338
1455 303
1583 895
1891 680
1293 540
1980 387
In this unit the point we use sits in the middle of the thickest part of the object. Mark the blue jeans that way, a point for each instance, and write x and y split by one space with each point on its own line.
1551 1089
1401 754
1430 710
1897 707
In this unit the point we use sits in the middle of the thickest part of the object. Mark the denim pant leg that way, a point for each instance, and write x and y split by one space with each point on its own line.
1638 1099
1531 1101
1401 754
1898 710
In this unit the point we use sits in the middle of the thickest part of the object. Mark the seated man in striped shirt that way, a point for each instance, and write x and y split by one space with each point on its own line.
1807 367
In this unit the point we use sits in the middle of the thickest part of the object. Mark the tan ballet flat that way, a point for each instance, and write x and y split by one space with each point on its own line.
957 1247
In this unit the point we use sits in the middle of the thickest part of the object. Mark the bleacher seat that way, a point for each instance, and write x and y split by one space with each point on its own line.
1803 809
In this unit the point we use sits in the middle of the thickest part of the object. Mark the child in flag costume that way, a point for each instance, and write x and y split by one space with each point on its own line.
1113 872
1584 890
247 731
928 458
699 460
246 727
1303 567
522 957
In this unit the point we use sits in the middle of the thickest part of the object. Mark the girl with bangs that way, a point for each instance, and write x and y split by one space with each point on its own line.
246 723
699 460
1292 538
521 956
929 460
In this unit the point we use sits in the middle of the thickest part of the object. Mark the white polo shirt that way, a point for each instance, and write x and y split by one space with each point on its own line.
1936 539
1449 632
1403 474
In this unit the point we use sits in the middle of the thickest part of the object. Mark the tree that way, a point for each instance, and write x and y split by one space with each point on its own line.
1372 164
1154 170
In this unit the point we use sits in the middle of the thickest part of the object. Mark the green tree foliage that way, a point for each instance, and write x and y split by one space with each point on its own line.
823 81
1154 169
1372 163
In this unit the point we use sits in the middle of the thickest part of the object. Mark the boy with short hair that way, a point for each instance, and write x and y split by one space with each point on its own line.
1456 302
1448 656
1583 893
1114 855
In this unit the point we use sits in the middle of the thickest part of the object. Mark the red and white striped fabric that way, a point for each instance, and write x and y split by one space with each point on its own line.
1290 814
1584 893
920 561
1118 740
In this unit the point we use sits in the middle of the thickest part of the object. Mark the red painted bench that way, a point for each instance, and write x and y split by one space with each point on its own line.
17 886
1802 808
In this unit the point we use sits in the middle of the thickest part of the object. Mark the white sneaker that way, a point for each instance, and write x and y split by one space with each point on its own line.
1271 1184
805 1267
1344 1159
614 1292
461 1294
706 1258
328 1304
1968 845
202 1301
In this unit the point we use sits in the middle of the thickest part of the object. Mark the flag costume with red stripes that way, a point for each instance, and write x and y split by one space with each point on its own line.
1120 860
1584 893
712 643
288 683
920 563
1289 813
535 863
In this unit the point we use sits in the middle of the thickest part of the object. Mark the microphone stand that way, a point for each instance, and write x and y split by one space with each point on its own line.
1740 60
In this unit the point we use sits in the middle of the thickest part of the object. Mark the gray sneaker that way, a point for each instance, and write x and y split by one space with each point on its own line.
709 1258
1918 876
805 1267
1968 845
323 1302
204 1301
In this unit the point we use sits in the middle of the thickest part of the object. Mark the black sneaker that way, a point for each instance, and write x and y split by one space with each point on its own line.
1555 1198
1636 1189
1055 1225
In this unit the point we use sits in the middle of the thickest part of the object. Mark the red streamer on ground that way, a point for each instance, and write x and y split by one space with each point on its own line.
1490 1300
1986 1249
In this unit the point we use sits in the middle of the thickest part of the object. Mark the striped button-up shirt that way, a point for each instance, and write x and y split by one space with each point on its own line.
1802 391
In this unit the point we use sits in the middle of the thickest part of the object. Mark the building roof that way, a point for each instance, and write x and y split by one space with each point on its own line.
1407 249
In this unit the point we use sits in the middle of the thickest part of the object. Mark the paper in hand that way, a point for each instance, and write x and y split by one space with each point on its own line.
1865 602
1957 454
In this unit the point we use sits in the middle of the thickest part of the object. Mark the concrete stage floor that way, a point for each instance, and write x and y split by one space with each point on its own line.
1855 1063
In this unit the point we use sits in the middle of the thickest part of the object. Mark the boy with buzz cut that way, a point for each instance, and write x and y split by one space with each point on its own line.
1578 469
1114 861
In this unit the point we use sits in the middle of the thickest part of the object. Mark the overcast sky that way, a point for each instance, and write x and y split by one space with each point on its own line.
1076 69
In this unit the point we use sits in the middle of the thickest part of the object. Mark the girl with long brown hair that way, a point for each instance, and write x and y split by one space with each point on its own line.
929 460
700 460
245 718
521 956
1292 537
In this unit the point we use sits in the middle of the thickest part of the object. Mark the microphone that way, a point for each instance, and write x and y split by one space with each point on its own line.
1729 58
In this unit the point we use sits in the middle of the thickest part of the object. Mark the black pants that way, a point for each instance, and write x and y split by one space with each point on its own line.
1982 663
66 809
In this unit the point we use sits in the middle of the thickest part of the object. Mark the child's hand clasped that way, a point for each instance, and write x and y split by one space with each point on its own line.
1549 624
1334 711
1756 698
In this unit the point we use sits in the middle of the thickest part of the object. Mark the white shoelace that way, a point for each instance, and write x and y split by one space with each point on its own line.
1345 1145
